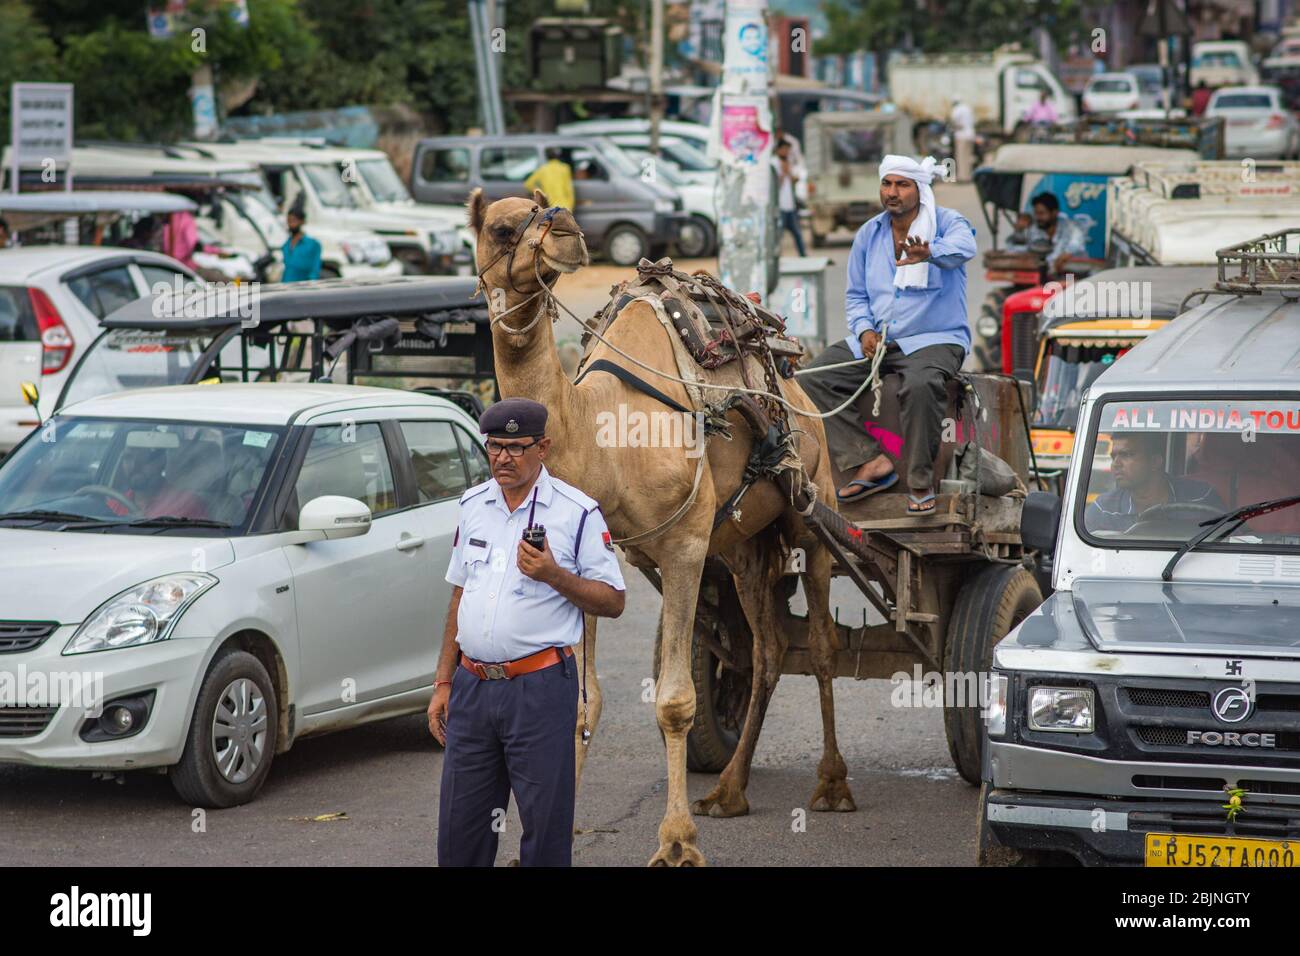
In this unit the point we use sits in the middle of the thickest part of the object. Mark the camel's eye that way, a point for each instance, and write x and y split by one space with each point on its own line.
502 233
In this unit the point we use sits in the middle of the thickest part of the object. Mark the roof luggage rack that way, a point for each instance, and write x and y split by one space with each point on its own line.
1202 134
1267 263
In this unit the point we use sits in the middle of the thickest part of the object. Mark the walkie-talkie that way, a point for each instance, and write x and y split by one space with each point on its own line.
535 534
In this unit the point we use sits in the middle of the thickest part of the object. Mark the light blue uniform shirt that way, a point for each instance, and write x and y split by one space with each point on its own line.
504 614
935 315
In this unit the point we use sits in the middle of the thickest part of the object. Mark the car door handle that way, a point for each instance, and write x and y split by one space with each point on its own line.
409 542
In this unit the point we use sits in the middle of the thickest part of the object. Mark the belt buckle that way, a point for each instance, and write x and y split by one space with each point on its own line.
494 672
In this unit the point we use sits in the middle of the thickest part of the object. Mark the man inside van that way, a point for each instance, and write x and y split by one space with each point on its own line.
555 178
1137 463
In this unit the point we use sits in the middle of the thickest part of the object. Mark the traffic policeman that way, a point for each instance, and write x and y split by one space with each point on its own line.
505 700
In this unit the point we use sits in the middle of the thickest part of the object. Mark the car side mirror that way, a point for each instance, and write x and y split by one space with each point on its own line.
334 516
1039 519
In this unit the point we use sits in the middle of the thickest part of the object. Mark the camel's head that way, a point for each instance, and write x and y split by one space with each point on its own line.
552 233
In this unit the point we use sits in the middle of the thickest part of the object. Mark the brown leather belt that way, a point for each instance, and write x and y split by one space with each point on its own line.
525 665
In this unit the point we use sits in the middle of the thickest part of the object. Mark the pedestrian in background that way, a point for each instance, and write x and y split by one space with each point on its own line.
505 698
555 178
787 173
301 251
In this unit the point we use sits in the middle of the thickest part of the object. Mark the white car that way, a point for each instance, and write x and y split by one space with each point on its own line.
698 236
51 301
209 572
1257 122
695 134
1111 93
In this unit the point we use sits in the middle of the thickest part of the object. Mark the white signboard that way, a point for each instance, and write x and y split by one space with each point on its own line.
41 126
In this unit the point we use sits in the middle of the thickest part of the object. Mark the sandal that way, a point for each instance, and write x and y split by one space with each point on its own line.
923 505
868 488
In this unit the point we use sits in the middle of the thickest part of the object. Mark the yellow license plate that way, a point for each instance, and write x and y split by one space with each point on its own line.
1169 849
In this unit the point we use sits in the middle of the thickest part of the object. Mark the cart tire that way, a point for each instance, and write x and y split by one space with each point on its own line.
719 692
989 605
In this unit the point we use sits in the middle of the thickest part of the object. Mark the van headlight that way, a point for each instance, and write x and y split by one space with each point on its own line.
1062 709
140 615
995 712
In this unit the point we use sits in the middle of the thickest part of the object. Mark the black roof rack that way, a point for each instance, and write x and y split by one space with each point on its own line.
1267 263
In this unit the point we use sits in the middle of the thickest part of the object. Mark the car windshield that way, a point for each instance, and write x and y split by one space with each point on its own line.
1216 58
1066 372
617 158
1161 469
1116 85
124 475
866 144
385 185
329 185
1243 101
687 156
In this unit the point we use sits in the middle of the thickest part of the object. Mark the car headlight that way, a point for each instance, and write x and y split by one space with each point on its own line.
140 615
987 326
663 205
354 252
1062 709
995 713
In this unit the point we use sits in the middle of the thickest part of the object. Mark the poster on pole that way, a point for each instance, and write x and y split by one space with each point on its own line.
40 116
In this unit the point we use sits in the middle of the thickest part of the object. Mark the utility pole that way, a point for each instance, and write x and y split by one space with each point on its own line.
489 93
742 139
656 72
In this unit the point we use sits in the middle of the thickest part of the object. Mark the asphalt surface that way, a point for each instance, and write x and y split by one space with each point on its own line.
377 786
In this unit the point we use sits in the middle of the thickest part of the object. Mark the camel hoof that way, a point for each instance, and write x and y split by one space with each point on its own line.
833 795
719 807
678 854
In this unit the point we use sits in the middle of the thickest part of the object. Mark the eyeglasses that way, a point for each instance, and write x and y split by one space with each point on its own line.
494 448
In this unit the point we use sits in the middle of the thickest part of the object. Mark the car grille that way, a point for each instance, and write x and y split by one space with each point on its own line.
1262 821
25 721
1024 343
1153 719
18 636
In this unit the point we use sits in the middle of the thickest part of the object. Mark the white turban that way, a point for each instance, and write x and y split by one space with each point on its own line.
916 275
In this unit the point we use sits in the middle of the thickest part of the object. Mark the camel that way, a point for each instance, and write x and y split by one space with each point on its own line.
639 488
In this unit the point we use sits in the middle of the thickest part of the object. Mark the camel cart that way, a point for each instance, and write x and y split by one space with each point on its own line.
947 585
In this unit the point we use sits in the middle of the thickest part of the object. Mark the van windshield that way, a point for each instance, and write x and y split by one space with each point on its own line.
329 185
385 185
1160 470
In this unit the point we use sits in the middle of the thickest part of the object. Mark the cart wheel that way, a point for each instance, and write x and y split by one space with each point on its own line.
990 603
721 699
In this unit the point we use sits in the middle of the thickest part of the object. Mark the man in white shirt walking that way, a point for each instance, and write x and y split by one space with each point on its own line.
787 172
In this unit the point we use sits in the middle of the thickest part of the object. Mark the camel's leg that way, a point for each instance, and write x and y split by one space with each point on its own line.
675 704
752 564
832 791
585 655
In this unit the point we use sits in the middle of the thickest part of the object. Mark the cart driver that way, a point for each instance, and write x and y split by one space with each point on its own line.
1066 237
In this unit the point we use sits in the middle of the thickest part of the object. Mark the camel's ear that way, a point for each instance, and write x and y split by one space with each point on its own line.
477 207
539 197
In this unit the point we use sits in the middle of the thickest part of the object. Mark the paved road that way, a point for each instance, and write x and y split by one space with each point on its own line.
912 808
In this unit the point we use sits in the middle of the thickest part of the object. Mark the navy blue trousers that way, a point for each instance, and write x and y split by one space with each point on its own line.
502 736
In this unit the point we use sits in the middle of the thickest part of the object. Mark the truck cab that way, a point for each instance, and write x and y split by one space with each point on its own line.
1148 712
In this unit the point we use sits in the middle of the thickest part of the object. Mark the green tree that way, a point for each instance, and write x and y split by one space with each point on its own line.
27 54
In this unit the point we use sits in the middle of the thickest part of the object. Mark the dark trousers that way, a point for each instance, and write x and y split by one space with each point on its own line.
790 223
922 398
502 736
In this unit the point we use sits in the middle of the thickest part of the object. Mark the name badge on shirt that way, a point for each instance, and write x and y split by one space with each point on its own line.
478 543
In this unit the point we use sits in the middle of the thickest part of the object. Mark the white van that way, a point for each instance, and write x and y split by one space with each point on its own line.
1223 63
348 188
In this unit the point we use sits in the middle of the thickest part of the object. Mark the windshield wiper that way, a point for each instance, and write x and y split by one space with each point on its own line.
1239 515
40 514
162 521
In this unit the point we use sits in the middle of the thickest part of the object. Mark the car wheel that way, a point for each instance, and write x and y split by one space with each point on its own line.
232 734
626 245
696 238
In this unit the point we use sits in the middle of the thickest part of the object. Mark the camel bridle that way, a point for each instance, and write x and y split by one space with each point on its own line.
508 253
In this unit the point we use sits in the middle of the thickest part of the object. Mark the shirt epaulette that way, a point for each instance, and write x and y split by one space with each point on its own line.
580 498
475 491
